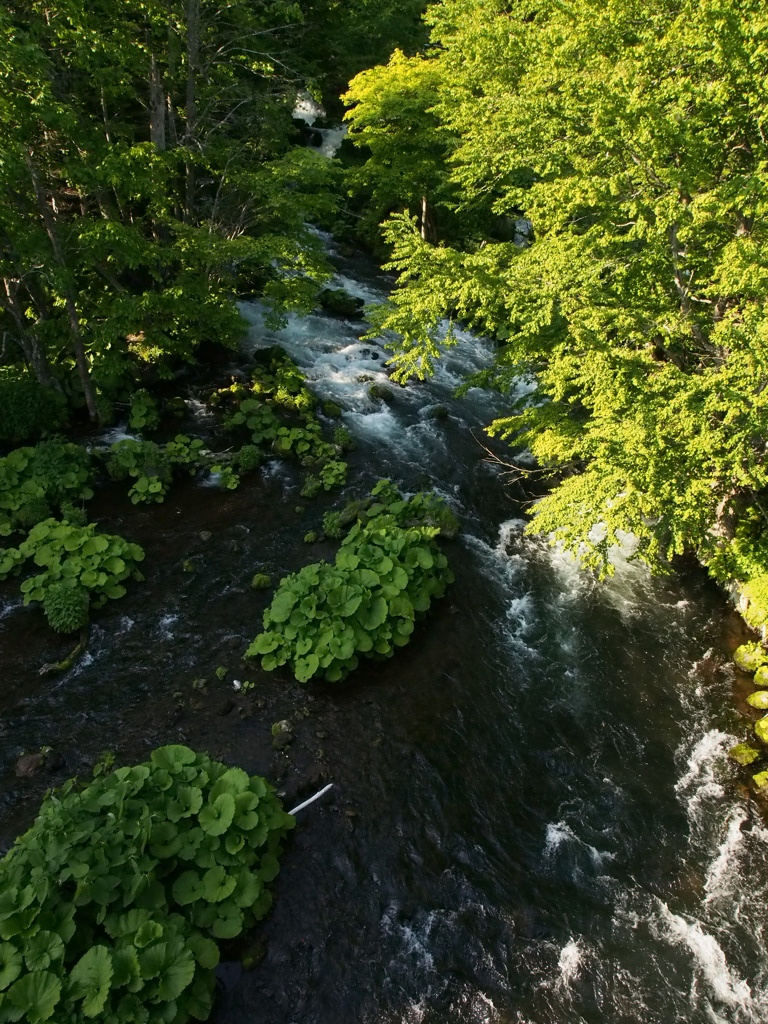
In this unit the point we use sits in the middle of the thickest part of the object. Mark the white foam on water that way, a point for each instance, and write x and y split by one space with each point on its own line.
366 291
560 834
699 784
165 623
114 434
210 479
713 979
412 937
570 963
8 607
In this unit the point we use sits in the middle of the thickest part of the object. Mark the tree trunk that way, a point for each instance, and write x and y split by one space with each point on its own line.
33 350
51 229
192 12
156 106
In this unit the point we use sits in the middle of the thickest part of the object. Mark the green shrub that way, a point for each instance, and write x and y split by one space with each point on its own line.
111 904
74 514
144 414
332 525
32 510
76 558
312 486
28 410
66 607
343 440
257 417
144 462
333 474
48 475
186 453
228 478
322 617
249 458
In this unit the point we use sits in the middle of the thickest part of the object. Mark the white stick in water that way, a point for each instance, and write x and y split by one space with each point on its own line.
311 799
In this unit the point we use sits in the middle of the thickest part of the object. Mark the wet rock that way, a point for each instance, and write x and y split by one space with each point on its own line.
437 412
282 734
339 302
381 393
226 708
205 536
29 765
749 657
54 760
305 783
254 954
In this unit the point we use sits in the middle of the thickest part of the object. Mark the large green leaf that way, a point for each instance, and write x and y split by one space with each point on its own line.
188 888
216 818
371 616
217 884
10 964
41 950
34 997
91 980
176 975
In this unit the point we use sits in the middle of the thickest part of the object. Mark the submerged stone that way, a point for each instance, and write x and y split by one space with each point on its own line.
282 734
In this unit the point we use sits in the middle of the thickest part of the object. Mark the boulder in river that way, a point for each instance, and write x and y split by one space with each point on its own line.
339 302
749 657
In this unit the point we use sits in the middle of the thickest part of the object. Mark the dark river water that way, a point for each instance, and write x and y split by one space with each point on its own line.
533 817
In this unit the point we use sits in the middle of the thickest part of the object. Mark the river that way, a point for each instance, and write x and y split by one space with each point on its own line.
533 817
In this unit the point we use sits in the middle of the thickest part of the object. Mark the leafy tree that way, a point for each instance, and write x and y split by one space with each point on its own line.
146 176
633 135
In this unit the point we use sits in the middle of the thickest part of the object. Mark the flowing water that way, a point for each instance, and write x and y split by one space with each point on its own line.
533 817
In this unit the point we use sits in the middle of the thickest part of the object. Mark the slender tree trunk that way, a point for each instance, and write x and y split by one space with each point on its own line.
192 12
51 229
156 106
33 350
424 217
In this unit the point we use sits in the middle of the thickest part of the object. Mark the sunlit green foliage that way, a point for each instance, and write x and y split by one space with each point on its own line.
632 135
366 602
113 902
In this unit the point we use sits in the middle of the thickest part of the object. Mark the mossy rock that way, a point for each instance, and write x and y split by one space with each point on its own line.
759 700
760 779
332 410
437 412
761 677
261 581
339 302
761 729
282 734
750 657
743 754
381 393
